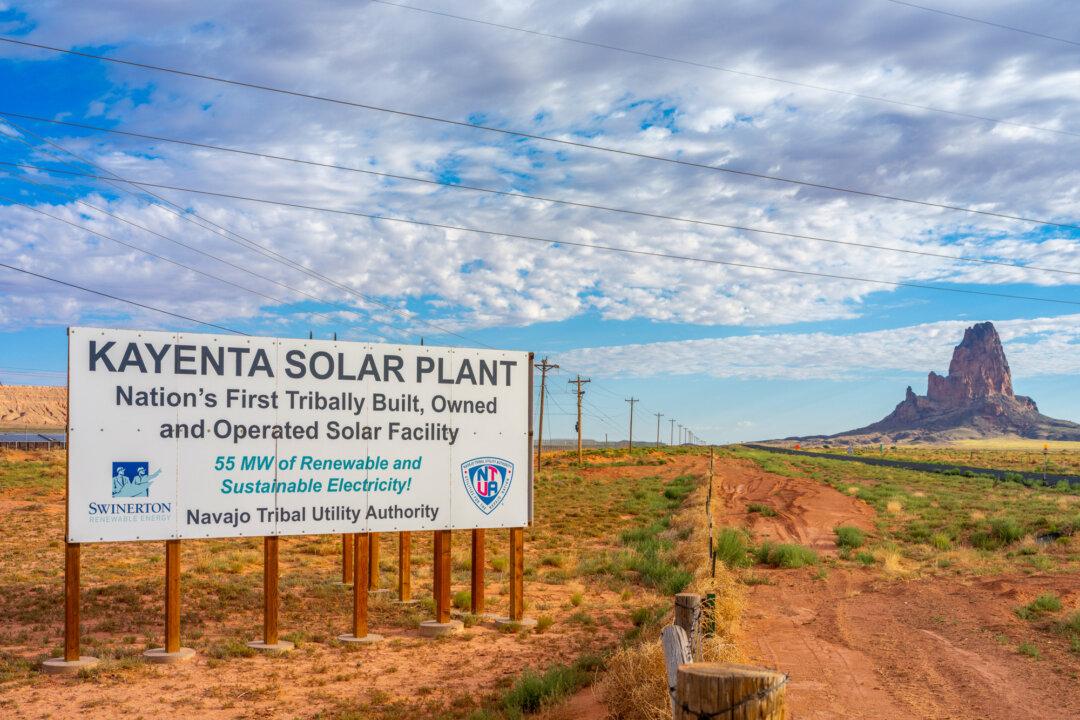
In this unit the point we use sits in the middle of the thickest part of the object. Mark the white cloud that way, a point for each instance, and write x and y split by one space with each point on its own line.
397 58
1035 347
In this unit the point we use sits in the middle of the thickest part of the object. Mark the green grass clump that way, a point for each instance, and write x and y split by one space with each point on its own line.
785 555
230 649
866 558
499 564
462 600
532 692
760 508
1045 603
544 622
1029 649
848 536
1006 530
732 548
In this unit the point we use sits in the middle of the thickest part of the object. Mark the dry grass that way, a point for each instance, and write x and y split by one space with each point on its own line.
635 684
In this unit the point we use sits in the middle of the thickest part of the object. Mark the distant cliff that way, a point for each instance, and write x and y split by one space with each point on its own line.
31 406
974 400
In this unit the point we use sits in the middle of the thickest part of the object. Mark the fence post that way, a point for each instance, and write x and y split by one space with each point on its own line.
172 652
720 690
688 617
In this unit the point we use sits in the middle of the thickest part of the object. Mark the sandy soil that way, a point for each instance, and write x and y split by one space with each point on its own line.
860 645
320 679
33 406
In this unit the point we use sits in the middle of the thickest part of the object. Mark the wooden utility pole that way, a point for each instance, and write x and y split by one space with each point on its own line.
579 381
680 433
543 366
632 400
658 416
672 440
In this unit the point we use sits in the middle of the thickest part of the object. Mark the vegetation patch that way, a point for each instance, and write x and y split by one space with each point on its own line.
850 537
785 555
760 508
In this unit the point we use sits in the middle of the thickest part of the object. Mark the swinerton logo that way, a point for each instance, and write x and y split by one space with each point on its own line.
487 480
132 479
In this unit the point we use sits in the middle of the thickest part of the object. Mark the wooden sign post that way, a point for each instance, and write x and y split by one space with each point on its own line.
72 661
271 600
404 586
477 568
373 567
360 632
442 624
346 558
172 652
516 616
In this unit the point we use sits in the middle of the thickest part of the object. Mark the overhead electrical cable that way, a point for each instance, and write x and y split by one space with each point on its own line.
585 205
155 255
550 241
247 243
119 299
515 133
732 71
969 18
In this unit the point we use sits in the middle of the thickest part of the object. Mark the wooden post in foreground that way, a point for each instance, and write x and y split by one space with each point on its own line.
688 617
442 624
71 661
477 568
360 632
172 652
404 562
715 690
271 600
346 558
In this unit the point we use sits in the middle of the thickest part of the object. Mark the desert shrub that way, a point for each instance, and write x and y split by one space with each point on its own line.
1029 649
760 508
1006 530
865 558
462 600
499 564
941 541
848 536
544 622
732 548
785 555
556 561
1045 603
533 691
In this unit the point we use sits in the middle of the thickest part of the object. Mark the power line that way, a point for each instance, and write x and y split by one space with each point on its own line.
119 299
969 18
733 71
594 206
573 243
246 242
516 133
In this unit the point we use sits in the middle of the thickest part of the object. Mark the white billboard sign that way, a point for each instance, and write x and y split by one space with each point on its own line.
182 435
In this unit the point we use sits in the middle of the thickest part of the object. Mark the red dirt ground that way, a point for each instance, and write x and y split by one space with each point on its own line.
860 645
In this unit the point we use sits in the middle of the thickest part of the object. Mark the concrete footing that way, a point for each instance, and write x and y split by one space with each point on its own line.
281 646
59 665
433 628
369 639
158 655
524 623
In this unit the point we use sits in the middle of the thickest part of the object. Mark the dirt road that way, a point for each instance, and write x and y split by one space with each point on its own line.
858 644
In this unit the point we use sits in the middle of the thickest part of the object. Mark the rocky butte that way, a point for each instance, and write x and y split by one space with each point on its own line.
974 400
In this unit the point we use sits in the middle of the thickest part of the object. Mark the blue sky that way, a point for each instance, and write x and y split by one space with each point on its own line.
733 353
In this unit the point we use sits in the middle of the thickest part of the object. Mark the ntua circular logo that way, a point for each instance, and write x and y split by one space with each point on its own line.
487 480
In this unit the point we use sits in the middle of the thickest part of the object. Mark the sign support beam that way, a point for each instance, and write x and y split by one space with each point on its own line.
271 600
477 588
442 624
172 652
72 661
360 634
405 567
346 558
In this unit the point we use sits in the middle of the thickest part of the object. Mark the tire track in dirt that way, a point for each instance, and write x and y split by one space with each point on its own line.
860 645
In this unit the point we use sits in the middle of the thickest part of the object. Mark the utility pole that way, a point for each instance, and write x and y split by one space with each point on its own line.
680 433
632 400
658 416
671 440
579 381
543 367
